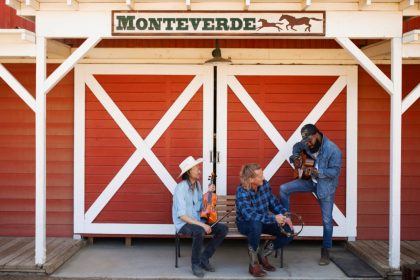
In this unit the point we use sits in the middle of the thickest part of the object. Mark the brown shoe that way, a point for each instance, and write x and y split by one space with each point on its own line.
325 256
265 264
255 268
263 254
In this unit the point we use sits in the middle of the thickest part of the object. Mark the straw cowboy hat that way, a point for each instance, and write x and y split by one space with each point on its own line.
188 163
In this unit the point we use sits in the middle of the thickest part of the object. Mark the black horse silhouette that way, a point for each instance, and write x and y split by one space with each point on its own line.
265 23
298 21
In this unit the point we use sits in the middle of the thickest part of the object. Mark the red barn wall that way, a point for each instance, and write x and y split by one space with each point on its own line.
17 158
373 165
286 101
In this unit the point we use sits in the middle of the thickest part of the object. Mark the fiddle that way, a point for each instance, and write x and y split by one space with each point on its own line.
208 214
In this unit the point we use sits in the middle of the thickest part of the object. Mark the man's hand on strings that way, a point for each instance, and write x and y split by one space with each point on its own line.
297 162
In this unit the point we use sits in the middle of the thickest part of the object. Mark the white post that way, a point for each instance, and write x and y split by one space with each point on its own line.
351 152
395 159
40 153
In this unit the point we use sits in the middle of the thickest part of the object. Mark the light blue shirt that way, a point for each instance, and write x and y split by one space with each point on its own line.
186 202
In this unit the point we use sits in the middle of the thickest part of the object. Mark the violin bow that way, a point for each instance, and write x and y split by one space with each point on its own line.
224 216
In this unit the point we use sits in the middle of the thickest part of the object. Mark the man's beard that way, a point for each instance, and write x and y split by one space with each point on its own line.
316 147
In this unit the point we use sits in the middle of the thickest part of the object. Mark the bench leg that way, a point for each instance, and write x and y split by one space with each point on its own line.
177 249
281 257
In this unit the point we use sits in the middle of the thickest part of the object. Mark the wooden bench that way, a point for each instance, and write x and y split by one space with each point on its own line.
224 204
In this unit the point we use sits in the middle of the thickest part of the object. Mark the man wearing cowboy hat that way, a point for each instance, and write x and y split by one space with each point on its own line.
186 207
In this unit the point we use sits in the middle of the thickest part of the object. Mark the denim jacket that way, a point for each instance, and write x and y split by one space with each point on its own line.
329 165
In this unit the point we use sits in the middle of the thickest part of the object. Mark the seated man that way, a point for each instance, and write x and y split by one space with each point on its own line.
258 211
187 203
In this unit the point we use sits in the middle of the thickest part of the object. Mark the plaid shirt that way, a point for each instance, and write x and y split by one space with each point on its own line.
261 205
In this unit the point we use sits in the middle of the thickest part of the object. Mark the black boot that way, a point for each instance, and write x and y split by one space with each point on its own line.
206 265
325 256
197 270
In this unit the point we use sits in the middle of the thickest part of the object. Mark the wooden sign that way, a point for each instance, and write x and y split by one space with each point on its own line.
135 23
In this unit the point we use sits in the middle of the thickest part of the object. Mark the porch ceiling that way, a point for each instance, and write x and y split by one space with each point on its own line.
21 43
382 50
17 43
20 50
31 7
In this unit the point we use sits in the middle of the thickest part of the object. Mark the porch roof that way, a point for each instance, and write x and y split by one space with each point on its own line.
21 44
32 7
17 43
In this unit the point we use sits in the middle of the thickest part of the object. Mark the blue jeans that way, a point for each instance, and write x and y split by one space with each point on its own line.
197 233
254 229
326 204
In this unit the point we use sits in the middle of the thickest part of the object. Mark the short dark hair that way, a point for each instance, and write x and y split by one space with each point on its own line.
308 130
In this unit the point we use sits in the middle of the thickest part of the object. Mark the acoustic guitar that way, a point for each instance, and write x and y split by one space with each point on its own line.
305 166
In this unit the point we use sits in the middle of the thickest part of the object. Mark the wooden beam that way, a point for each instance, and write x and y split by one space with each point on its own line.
130 4
74 4
306 4
17 43
411 51
411 98
67 65
379 49
412 36
34 4
411 44
14 4
247 4
56 49
367 64
404 4
17 87
363 4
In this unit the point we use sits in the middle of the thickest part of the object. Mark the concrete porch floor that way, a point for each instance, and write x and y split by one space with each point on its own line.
155 259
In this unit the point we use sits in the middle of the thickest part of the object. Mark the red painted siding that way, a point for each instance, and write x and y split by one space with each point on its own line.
143 100
9 19
17 157
223 43
374 128
286 101
411 24
17 149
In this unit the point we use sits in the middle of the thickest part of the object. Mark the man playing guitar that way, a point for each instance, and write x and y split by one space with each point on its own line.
320 177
